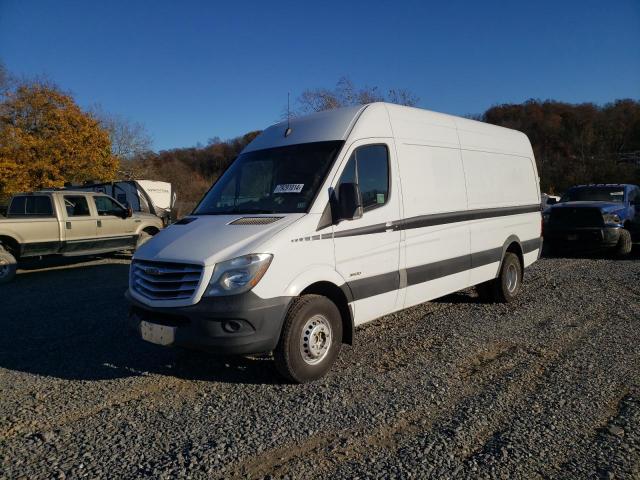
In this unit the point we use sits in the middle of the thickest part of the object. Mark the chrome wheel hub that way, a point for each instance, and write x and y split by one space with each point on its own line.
512 278
315 340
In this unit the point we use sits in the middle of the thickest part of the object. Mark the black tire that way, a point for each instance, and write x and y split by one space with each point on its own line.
624 246
505 288
290 361
8 266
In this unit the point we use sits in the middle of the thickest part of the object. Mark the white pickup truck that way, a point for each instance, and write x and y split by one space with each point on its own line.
68 223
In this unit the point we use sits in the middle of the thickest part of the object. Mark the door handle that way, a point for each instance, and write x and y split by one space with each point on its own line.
68 225
99 223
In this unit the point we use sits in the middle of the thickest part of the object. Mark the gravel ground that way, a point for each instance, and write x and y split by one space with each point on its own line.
547 387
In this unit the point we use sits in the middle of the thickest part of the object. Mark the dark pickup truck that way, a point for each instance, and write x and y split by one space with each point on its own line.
594 216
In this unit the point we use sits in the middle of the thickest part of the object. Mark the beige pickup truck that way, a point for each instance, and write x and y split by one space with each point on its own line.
68 223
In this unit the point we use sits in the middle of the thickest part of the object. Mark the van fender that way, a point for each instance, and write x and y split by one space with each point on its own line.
510 239
317 273
323 275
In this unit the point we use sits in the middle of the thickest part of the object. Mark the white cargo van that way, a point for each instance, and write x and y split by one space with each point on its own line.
334 220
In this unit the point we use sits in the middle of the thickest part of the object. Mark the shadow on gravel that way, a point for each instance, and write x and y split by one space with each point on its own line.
464 296
70 323
34 265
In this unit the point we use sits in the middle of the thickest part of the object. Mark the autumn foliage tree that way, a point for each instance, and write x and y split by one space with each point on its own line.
47 140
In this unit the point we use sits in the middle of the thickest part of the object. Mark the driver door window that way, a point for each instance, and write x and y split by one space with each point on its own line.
369 167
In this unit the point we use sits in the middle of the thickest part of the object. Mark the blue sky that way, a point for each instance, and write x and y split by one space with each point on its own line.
192 70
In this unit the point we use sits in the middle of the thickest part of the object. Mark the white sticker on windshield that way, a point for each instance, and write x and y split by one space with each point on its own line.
289 188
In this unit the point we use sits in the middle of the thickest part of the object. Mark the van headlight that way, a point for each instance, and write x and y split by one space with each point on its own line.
611 218
238 275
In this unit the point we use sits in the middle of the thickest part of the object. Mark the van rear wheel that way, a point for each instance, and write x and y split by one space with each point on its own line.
311 339
504 288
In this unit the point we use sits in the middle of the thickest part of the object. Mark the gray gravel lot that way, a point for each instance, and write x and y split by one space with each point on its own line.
548 387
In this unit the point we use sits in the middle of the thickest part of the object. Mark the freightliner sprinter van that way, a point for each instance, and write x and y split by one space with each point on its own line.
333 220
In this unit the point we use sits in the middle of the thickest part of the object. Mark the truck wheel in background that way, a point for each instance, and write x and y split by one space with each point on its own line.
504 288
8 266
624 245
310 340
143 238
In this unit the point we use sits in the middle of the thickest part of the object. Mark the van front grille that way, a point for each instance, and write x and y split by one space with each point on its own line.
164 280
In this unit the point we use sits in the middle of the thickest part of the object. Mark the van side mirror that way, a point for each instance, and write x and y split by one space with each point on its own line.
349 202
128 212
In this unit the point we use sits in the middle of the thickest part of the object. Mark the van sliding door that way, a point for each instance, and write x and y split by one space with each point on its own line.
436 236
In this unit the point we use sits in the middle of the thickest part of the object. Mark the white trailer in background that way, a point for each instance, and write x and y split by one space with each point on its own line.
147 196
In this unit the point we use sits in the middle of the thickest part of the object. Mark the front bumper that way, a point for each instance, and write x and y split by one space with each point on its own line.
233 325
590 237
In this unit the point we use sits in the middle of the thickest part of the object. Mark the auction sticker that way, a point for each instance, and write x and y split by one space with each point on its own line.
289 188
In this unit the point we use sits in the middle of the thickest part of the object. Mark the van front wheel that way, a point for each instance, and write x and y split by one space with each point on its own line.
311 339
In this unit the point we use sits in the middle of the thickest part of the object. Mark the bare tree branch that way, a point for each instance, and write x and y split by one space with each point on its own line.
128 139
346 94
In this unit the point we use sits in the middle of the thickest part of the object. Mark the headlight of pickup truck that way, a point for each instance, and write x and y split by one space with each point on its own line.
238 275
611 218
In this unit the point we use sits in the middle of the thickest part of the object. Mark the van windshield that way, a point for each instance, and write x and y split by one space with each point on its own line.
274 180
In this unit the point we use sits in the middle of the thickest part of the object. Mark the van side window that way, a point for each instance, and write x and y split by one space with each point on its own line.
369 167
76 206
31 206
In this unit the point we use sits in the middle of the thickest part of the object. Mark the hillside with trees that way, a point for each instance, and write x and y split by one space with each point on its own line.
46 139
574 144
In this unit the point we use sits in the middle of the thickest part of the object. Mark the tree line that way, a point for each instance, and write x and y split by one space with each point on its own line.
46 140
577 144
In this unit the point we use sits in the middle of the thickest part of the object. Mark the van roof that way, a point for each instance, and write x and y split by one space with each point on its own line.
410 125
316 127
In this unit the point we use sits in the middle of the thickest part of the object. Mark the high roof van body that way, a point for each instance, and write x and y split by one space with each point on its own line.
335 219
